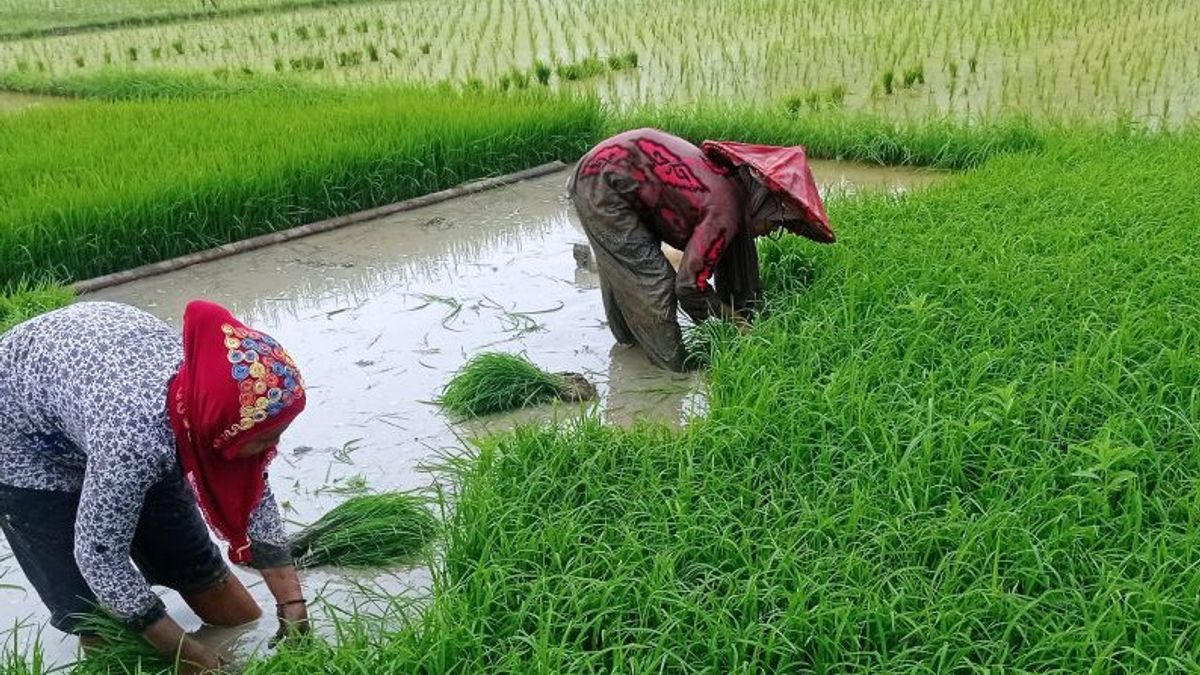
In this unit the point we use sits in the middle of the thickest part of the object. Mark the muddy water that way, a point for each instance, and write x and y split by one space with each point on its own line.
379 315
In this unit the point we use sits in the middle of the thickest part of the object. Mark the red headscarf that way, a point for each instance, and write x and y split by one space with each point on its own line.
786 173
235 384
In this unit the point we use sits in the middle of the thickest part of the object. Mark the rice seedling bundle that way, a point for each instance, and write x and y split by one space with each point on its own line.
496 382
367 531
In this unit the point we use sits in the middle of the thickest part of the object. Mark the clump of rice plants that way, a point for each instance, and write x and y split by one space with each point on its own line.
628 60
889 81
542 71
589 66
120 650
913 76
27 300
705 339
367 531
494 382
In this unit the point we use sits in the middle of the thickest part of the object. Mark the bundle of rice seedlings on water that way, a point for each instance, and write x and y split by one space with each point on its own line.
120 650
495 382
367 531
703 340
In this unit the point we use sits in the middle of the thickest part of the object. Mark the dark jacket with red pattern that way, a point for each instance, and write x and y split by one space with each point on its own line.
688 201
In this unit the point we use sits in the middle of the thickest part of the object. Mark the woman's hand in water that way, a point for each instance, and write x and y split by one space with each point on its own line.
291 608
293 622
169 639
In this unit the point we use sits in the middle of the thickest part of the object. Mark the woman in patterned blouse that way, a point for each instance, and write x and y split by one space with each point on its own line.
113 430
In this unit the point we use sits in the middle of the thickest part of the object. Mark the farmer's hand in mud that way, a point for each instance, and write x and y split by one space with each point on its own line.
293 622
172 642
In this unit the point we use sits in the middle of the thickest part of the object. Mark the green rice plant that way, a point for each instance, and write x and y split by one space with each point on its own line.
866 138
27 299
889 81
391 143
177 45
120 650
495 382
367 531
913 76
542 71
583 69
373 53
909 467
426 47
347 59
705 340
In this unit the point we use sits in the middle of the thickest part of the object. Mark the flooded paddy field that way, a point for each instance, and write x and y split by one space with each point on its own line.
1090 60
380 315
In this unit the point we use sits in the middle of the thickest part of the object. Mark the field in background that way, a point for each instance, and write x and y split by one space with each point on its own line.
19 17
1095 59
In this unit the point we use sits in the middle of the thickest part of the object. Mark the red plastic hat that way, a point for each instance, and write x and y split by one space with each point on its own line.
786 173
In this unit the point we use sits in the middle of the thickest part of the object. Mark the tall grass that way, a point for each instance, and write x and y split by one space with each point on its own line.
967 445
127 183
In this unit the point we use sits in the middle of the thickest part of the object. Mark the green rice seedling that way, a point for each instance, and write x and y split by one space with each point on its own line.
80 62
303 33
26 300
156 53
706 339
177 45
348 59
495 382
889 80
542 71
132 53
367 531
426 47
373 53
913 76
274 35
432 139
120 650
321 34
362 27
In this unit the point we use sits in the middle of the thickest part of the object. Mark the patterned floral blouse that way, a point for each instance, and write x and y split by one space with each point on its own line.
83 408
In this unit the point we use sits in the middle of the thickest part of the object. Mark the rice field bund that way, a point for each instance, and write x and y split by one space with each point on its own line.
1099 59
964 438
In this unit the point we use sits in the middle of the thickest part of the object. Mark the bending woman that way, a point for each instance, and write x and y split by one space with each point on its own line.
112 428
645 187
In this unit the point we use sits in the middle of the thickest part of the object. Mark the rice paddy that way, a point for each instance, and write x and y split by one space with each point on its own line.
176 175
1092 59
961 440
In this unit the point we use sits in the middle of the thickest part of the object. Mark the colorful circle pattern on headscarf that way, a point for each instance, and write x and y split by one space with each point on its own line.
267 377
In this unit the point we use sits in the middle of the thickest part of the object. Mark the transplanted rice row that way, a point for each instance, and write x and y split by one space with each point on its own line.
1082 59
